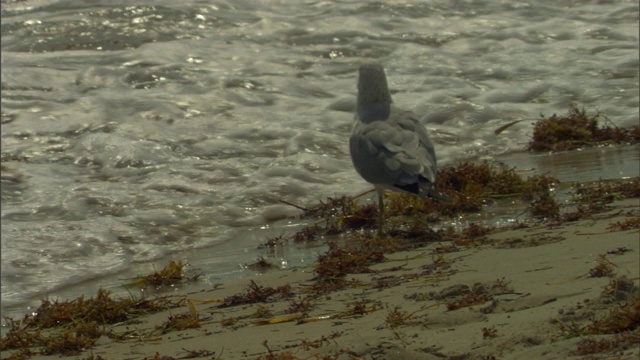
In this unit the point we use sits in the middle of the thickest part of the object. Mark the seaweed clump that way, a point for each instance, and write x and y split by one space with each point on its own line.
576 129
258 294
334 265
613 330
172 274
621 323
473 185
68 327
180 322
469 185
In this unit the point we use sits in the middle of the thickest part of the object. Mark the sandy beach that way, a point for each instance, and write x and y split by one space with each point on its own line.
182 180
539 292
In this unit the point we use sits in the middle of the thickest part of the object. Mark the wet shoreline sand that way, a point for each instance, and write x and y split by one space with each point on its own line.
529 288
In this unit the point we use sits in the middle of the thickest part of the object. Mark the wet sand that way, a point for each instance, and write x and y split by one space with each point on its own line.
529 281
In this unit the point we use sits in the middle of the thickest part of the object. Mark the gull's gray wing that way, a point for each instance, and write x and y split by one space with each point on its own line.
396 152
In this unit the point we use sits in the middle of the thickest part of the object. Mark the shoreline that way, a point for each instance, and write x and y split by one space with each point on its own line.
527 287
242 248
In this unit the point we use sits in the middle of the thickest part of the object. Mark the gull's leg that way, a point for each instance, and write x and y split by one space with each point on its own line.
380 211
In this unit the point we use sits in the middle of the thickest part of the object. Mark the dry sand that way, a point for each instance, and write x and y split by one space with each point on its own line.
535 279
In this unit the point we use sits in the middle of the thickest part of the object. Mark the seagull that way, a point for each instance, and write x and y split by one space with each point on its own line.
389 147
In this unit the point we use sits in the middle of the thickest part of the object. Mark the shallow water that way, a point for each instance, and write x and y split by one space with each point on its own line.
137 133
610 162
